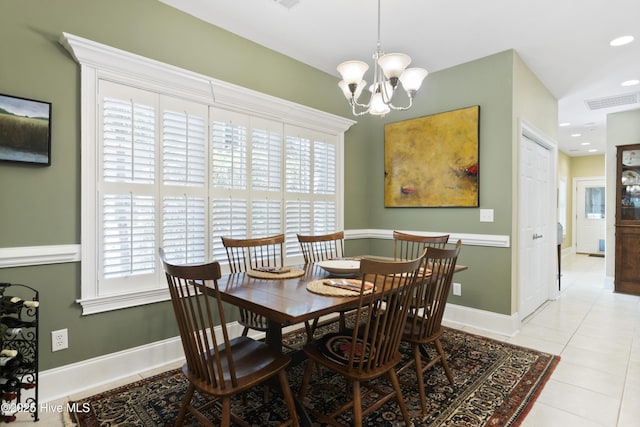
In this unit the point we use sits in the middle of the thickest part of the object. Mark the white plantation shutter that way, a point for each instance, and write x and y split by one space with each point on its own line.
229 152
163 167
297 164
266 178
184 138
324 217
126 194
266 218
128 149
184 171
324 168
153 190
266 159
310 185
324 186
297 220
245 150
184 228
228 219
128 235
229 168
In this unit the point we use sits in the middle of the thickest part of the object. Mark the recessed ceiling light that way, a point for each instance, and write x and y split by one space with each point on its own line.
621 41
631 82
585 143
576 134
564 124
593 150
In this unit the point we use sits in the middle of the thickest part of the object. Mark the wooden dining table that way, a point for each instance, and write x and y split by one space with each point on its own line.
286 301
283 301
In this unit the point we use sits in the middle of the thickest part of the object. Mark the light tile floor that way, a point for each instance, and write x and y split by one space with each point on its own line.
596 333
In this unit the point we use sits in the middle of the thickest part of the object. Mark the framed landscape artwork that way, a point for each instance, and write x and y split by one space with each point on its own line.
25 130
433 161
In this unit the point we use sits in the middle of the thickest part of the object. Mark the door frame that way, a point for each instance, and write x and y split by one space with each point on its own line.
574 208
531 132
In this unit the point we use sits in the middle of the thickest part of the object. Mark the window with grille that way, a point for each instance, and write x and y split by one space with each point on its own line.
164 166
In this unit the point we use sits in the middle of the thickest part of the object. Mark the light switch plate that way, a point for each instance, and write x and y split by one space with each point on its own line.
486 215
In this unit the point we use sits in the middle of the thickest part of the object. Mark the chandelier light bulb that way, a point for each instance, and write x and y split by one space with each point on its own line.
346 90
378 107
393 64
352 72
412 78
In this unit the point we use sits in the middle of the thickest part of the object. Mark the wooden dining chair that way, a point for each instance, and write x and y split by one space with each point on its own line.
372 349
216 365
424 322
409 246
321 247
248 254
317 248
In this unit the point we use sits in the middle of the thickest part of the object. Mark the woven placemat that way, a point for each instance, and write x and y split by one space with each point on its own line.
318 287
293 272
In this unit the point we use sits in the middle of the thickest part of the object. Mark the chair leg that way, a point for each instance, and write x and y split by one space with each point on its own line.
245 331
306 379
357 404
399 398
420 376
288 397
225 417
443 359
185 403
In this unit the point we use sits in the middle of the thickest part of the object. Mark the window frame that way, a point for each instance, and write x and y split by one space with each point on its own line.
101 62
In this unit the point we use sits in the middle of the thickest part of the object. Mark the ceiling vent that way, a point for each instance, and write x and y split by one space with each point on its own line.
612 101
287 3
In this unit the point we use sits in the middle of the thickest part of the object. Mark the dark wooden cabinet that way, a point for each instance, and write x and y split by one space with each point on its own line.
627 274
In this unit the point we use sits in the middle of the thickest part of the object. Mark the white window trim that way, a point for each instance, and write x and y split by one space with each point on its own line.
98 61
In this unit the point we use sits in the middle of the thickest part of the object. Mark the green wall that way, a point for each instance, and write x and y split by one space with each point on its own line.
41 205
487 82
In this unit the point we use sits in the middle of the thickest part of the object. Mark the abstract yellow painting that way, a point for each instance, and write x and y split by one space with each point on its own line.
432 161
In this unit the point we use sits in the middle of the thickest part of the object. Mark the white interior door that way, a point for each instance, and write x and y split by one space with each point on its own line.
590 220
537 225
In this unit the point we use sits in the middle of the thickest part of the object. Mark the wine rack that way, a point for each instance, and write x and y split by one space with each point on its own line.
19 306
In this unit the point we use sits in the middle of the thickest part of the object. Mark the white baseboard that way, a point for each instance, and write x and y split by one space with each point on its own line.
73 379
77 377
609 283
501 324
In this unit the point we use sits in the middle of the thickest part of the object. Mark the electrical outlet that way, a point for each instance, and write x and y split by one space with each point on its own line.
59 340
457 289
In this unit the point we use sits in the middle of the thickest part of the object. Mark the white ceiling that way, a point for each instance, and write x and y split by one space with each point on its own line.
564 42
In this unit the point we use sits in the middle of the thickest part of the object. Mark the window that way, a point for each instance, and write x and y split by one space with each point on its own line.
594 202
166 164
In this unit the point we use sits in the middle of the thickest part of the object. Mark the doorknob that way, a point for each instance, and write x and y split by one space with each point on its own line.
537 236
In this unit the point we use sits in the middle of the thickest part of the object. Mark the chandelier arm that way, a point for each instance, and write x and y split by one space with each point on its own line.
393 107
356 103
355 112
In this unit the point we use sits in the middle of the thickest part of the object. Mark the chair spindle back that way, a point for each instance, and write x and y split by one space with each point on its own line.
321 247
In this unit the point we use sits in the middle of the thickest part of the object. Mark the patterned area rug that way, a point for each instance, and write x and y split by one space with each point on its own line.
495 385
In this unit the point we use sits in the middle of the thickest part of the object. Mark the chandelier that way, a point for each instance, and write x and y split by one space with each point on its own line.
389 71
